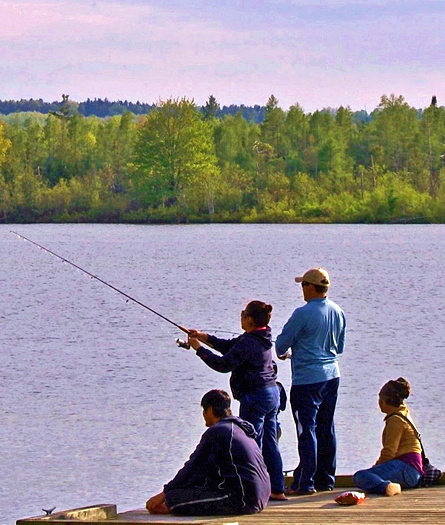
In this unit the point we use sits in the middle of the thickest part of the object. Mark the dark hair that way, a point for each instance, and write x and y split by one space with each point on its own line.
219 400
260 312
319 288
394 392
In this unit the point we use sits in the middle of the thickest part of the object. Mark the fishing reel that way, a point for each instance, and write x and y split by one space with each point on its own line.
182 344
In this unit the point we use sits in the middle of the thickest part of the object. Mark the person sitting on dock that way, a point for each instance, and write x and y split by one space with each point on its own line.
400 462
226 473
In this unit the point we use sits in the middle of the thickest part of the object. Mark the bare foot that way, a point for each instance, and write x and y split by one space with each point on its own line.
278 496
392 489
160 509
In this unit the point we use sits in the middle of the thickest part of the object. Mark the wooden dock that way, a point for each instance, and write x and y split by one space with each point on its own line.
422 505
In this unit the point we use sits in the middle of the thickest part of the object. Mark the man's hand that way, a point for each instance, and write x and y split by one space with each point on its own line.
156 504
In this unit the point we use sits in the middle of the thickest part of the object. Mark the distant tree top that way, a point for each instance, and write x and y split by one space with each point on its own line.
212 109
97 107
106 108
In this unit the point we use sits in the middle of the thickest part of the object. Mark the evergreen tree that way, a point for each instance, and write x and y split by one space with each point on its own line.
297 134
394 134
432 128
210 110
273 128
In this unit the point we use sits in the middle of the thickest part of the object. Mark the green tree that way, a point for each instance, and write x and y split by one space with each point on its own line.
393 200
174 160
5 144
394 134
211 108
234 142
5 195
321 151
273 129
26 192
115 140
26 153
432 128
56 165
296 131
81 144
345 134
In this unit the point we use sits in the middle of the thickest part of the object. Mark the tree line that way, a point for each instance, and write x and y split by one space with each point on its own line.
106 108
183 163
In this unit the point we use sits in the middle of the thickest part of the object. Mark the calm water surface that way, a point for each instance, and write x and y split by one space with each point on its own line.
100 406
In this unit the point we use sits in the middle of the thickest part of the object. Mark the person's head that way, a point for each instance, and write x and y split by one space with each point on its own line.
215 405
315 283
393 393
255 315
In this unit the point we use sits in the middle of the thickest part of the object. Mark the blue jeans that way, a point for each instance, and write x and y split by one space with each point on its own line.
376 479
313 408
260 408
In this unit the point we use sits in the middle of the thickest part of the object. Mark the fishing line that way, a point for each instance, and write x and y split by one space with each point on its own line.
128 297
216 331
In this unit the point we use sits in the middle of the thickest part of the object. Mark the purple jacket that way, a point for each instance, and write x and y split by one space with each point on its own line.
228 459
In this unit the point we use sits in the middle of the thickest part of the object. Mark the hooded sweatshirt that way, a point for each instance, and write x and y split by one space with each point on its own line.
227 459
248 357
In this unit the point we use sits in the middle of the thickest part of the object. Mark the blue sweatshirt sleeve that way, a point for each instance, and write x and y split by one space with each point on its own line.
225 363
197 463
221 345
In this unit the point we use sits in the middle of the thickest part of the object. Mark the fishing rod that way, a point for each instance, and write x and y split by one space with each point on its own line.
105 283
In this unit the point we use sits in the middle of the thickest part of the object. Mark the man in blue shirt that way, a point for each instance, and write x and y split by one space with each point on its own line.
315 333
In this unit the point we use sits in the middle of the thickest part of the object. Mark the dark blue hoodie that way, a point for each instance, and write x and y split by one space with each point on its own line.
228 459
248 357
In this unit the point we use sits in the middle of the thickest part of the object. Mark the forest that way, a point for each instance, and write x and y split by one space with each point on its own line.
178 163
109 108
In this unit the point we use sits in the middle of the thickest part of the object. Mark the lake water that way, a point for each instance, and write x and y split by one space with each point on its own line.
100 406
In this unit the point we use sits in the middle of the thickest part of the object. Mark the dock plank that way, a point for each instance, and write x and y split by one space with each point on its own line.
422 505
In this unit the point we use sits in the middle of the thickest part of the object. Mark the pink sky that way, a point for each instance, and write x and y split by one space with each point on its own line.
317 54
